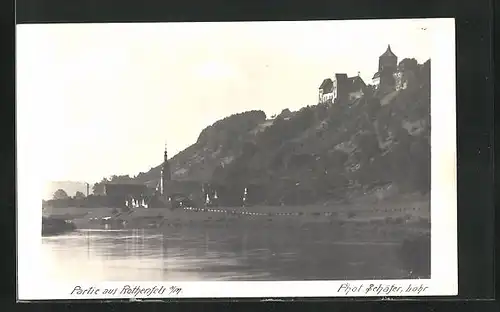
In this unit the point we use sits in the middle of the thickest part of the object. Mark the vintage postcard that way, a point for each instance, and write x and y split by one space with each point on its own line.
236 159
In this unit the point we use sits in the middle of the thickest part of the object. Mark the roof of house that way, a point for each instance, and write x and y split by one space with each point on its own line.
377 74
388 52
357 83
326 85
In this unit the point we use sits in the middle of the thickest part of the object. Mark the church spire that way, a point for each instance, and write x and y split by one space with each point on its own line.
165 172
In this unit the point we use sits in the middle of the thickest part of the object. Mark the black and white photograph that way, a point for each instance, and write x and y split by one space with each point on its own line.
188 159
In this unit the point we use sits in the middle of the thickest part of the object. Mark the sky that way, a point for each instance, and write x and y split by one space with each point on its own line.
103 99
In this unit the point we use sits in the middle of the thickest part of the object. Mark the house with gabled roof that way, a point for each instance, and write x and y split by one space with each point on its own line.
357 88
326 91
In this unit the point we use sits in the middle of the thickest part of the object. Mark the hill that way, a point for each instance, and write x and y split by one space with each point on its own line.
70 187
217 144
378 145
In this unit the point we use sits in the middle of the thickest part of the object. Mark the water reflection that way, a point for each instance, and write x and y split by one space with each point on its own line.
211 254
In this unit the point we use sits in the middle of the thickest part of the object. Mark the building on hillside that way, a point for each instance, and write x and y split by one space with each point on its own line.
406 75
357 88
387 66
326 91
341 87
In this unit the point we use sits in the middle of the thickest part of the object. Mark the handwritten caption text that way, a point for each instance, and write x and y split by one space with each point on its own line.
381 289
127 291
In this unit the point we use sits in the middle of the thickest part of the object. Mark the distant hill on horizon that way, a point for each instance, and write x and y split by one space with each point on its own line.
70 187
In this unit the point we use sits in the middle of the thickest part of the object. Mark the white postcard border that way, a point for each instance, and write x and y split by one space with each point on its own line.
444 263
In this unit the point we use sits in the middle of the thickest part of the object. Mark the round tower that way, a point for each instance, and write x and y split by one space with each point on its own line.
388 61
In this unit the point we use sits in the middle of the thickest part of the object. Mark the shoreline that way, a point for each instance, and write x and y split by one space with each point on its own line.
388 219
361 209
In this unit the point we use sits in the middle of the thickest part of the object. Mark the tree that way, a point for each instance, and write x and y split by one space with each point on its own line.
98 188
60 194
79 195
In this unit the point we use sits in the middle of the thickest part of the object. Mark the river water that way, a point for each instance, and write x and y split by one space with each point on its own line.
215 254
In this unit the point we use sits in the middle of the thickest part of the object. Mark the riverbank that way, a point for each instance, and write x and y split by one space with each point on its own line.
404 223
381 220
54 226
406 207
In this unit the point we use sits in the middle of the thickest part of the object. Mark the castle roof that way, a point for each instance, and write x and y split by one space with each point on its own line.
357 83
388 52
326 85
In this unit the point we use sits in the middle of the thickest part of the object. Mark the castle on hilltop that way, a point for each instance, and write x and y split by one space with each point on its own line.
341 88
389 77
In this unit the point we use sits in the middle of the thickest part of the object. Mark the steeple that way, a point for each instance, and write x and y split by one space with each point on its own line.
165 172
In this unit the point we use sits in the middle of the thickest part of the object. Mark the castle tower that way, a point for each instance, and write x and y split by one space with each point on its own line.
165 172
388 61
387 66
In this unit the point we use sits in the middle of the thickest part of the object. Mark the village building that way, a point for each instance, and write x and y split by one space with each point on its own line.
178 192
387 66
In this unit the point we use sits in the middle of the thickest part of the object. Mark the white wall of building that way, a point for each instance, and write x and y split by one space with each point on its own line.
355 95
